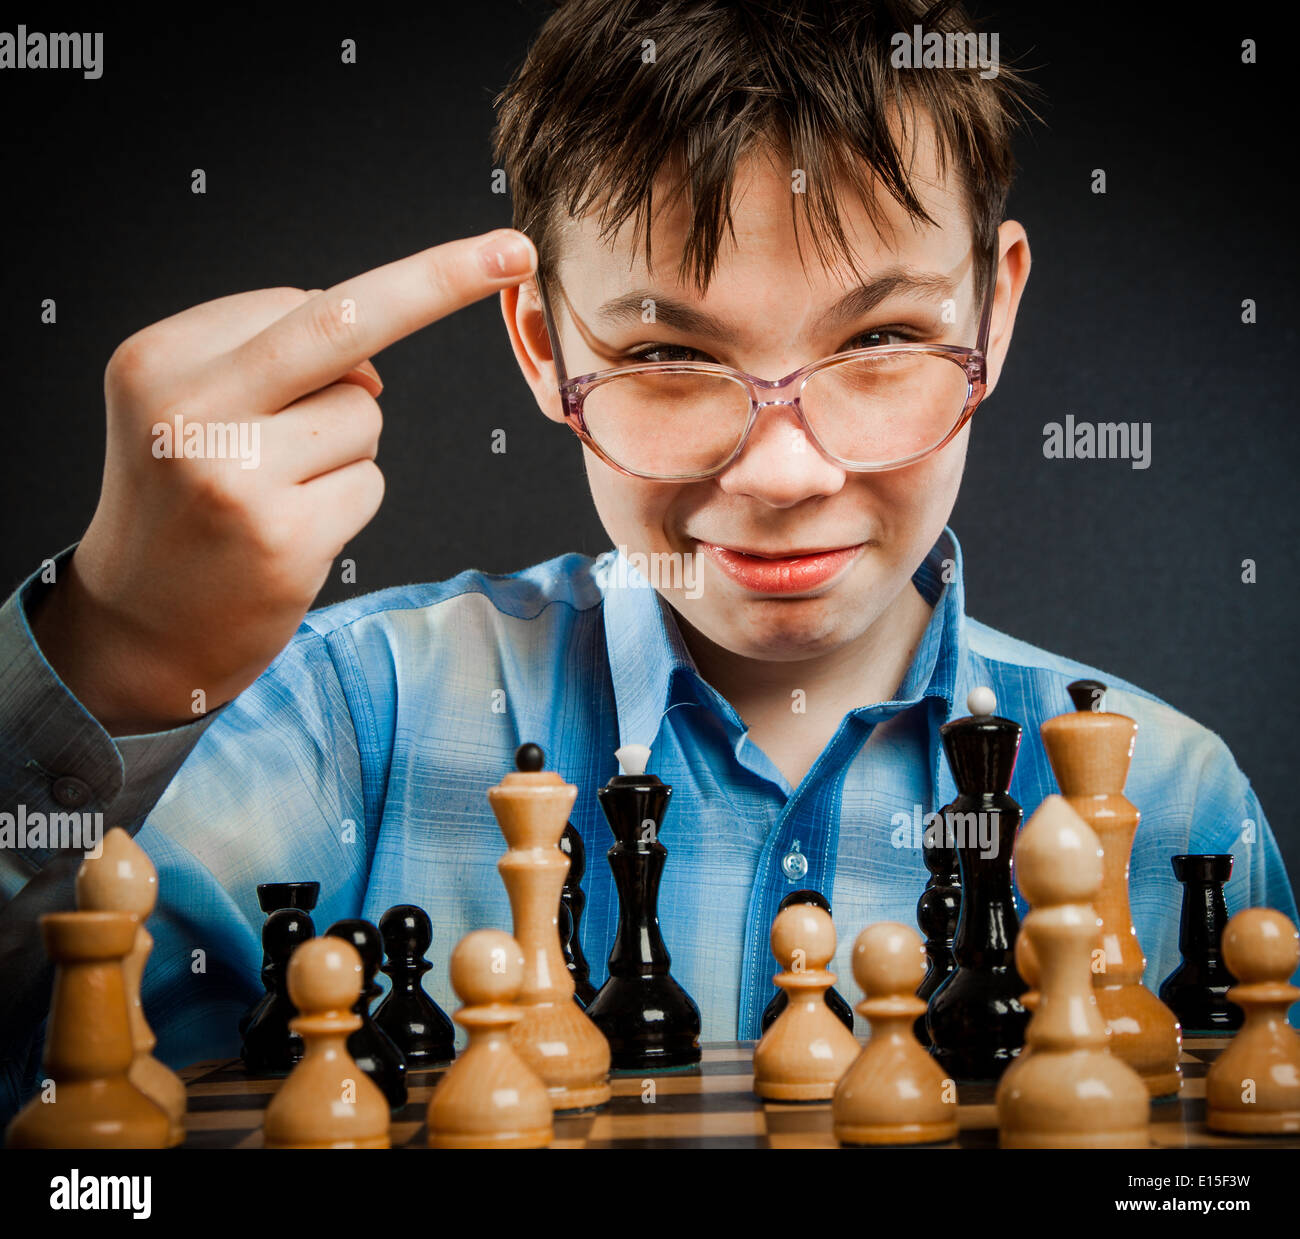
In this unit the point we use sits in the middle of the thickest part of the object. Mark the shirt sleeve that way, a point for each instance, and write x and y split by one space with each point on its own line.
63 779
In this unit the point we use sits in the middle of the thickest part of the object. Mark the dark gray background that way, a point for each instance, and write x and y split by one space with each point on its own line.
318 171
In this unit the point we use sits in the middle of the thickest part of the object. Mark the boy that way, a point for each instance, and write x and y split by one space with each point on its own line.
805 638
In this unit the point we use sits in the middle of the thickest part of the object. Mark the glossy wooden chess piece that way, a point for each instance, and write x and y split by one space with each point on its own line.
271 897
572 902
1253 1087
87 1100
327 1102
781 1000
489 1098
937 912
649 1020
893 1092
122 878
554 1037
416 1024
270 1046
975 1019
1090 751
1068 1091
806 1051
1197 990
1027 966
371 1047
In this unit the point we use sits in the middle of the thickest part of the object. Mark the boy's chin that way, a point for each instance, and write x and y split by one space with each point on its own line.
795 630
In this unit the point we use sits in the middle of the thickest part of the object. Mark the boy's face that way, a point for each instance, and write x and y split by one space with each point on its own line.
780 499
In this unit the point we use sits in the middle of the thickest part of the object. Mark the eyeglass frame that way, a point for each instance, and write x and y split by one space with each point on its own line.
972 361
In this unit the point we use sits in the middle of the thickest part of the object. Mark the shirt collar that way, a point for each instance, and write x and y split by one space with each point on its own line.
652 670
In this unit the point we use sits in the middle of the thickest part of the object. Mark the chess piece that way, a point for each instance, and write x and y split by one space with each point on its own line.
806 1051
1067 1091
937 912
327 1102
1253 1087
555 1037
976 1020
1027 965
572 902
416 1024
489 1098
781 1000
371 1047
1197 990
1090 750
649 1020
271 897
87 1100
893 1092
122 878
270 1046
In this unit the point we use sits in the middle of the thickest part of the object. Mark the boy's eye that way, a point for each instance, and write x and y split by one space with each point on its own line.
657 353
875 338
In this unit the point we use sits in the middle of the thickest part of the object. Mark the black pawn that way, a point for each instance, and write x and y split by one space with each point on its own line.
572 902
1196 991
1086 695
834 999
271 897
975 1019
530 758
937 913
649 1020
417 1025
369 1045
269 1045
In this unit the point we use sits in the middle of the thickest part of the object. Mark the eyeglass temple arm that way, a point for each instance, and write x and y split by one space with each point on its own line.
561 377
986 318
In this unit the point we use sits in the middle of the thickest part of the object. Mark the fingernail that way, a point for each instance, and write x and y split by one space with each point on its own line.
506 254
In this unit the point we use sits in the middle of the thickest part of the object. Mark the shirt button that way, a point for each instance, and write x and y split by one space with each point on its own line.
795 864
71 792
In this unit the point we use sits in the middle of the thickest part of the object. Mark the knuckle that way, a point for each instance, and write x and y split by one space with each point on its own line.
440 280
326 324
135 362
214 488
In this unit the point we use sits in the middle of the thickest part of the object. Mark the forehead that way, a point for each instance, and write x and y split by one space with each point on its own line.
770 238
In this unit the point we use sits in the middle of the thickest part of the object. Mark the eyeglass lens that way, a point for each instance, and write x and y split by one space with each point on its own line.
872 410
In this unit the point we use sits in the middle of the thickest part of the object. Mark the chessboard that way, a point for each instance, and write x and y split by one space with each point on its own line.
710 1106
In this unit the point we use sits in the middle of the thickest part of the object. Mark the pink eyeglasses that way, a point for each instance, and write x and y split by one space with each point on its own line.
865 410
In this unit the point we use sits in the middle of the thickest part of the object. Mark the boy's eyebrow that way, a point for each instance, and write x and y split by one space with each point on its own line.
629 308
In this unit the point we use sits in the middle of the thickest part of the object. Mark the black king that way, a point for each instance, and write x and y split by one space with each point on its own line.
648 1019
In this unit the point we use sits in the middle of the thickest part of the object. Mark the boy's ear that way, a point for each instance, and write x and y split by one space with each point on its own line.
526 326
1013 273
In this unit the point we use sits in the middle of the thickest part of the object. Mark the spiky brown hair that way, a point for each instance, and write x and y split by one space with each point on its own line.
587 123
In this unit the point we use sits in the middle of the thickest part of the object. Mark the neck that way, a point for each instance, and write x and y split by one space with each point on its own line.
866 670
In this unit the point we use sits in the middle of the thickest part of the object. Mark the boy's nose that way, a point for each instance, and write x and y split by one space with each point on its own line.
780 465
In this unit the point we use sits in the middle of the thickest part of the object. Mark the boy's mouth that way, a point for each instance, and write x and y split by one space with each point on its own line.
782 572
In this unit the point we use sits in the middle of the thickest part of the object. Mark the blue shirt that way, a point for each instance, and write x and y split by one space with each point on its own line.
361 759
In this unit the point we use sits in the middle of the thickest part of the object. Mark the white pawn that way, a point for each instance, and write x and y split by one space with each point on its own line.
122 878
1068 1091
327 1102
489 1098
894 1093
1253 1087
803 1054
